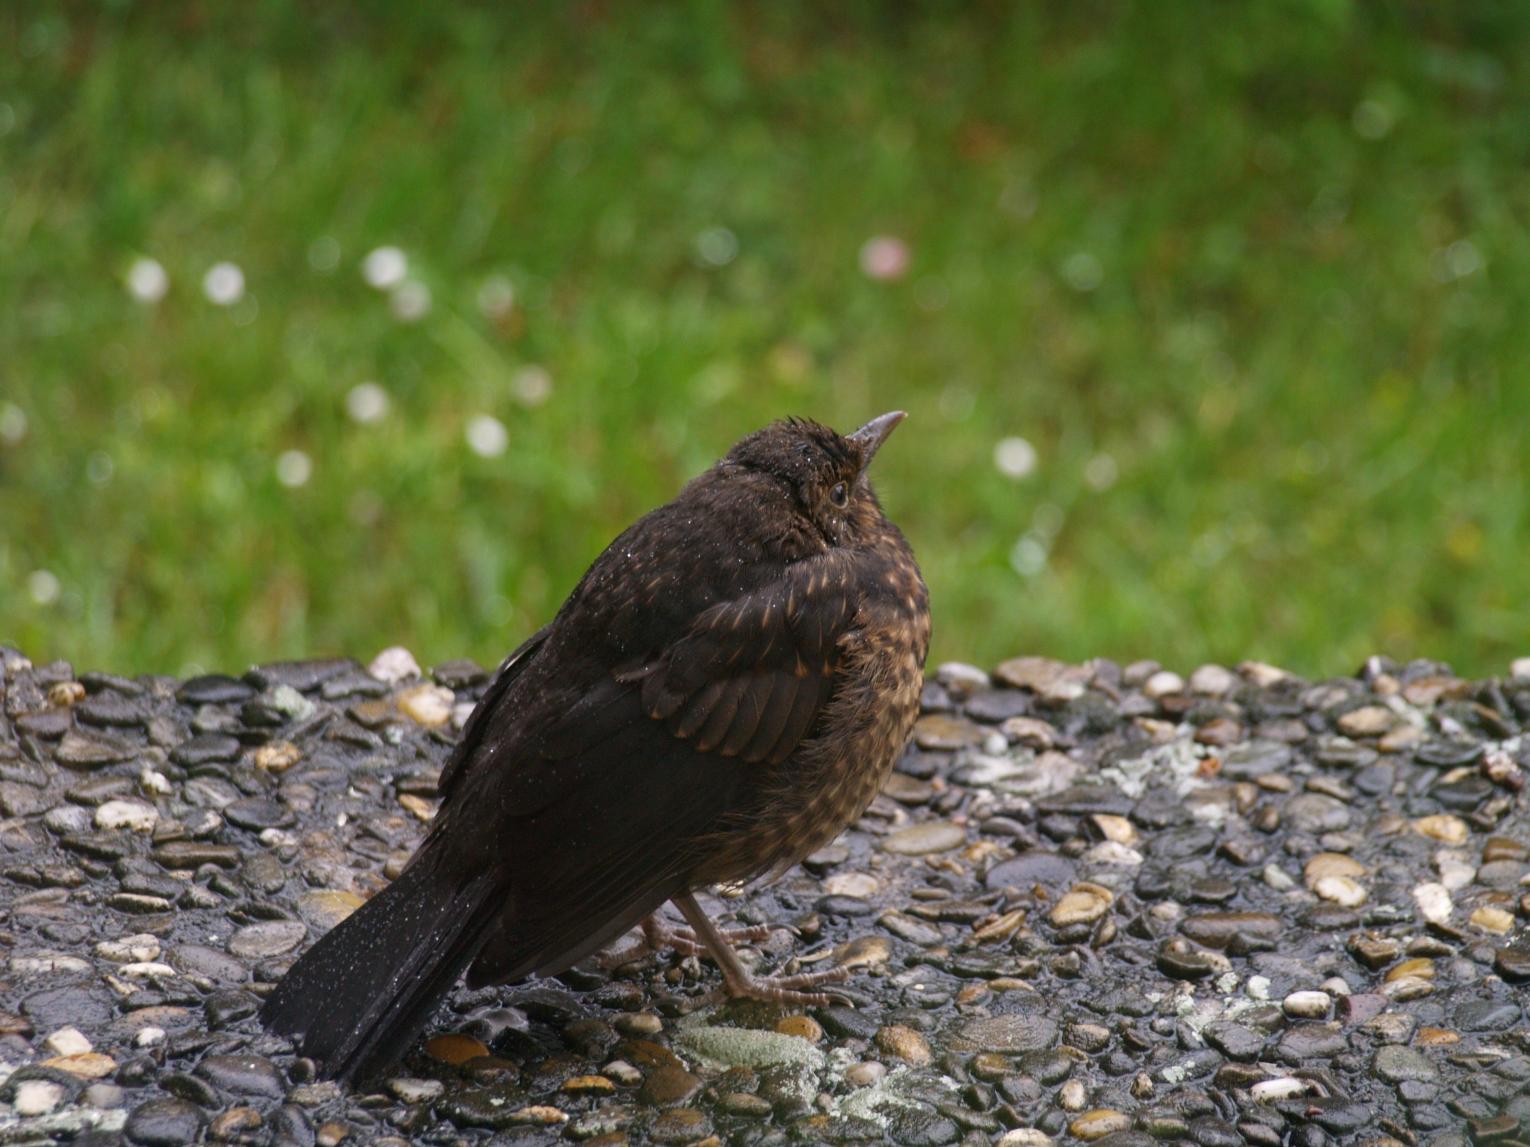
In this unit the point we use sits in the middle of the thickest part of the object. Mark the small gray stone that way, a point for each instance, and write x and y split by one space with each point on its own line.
1008 1034
269 938
1397 1064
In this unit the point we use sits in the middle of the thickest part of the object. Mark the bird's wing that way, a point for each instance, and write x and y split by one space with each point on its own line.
746 679
483 713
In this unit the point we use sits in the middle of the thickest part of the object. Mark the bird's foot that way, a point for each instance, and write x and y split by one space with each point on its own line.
739 983
791 989
657 936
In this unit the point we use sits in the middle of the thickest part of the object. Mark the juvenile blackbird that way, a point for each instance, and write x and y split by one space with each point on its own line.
725 689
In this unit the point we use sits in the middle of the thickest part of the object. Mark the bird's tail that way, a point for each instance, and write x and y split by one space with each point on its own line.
356 1000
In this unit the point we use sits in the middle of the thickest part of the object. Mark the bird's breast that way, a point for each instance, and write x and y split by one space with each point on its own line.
837 772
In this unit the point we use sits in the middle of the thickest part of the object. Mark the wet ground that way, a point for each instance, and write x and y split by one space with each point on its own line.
1094 904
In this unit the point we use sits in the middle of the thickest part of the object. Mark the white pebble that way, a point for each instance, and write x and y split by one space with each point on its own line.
1281 1087
1212 681
1455 872
1257 988
68 1041
139 816
428 705
37 1097
1519 669
1278 878
147 970
154 782
149 1036
1434 902
961 678
861 884
1341 890
47 963
1307 1005
1026 1137
138 948
393 665
412 1090
1164 683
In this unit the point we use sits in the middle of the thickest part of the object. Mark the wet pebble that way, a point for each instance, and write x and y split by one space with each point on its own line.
164 1122
923 839
272 938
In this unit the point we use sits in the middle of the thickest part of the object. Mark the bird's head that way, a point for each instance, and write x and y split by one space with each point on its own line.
823 472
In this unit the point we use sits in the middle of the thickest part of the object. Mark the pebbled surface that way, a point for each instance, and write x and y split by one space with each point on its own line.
1095 904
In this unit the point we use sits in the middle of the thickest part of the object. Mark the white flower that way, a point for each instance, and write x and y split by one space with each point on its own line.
147 281
43 586
1015 457
324 254
223 284
1101 472
716 246
1028 556
531 385
13 424
366 402
884 257
487 436
293 468
1082 271
496 297
410 301
385 268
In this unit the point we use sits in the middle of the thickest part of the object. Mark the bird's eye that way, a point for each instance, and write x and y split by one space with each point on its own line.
840 495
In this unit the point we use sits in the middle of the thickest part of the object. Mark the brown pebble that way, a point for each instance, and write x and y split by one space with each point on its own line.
277 756
803 1027
454 1049
904 1043
235 1123
668 1086
1100 1122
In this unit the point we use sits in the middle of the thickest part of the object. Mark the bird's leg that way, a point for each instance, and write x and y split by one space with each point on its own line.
657 935
738 981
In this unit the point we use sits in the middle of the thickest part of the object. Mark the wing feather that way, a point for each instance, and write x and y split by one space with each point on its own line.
811 694
777 711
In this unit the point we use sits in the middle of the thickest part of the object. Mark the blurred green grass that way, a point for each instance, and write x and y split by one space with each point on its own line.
1266 266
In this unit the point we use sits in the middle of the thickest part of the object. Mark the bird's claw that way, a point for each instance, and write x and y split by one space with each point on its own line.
787 989
657 935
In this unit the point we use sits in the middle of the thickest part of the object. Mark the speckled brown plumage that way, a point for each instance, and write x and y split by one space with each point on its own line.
725 689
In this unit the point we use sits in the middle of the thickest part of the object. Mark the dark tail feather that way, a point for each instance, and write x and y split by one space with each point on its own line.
358 998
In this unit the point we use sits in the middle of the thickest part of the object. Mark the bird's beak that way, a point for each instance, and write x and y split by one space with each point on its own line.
871 436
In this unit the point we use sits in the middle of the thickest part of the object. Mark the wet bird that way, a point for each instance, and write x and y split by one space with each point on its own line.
725 689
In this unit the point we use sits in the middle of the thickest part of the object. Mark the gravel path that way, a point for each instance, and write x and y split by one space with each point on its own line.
1095 904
